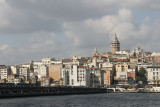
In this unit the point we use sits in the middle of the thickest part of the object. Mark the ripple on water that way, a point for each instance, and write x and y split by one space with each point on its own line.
90 100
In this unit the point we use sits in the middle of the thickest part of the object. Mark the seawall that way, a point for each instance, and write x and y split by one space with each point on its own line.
7 92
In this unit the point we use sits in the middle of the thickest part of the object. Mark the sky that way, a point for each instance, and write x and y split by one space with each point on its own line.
34 29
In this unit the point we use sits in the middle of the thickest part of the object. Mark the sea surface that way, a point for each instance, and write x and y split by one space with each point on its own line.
87 100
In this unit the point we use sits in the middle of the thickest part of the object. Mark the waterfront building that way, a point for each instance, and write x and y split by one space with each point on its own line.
18 80
115 45
11 78
33 78
24 72
45 81
153 74
74 75
40 69
121 73
65 74
4 72
131 75
108 79
96 77
55 71
108 69
125 73
14 69
79 76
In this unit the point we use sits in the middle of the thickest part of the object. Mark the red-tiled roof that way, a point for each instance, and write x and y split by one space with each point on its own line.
67 59
93 68
120 60
82 66
100 62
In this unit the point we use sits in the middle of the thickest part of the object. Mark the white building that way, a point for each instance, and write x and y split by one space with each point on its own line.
144 65
65 74
41 70
153 75
79 76
121 75
4 73
14 69
76 75
24 71
47 61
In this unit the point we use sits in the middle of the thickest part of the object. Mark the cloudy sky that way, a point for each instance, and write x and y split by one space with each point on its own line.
33 29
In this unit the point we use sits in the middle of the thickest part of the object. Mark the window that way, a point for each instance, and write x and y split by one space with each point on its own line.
72 82
71 72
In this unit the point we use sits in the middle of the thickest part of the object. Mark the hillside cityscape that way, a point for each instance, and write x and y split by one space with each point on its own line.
129 68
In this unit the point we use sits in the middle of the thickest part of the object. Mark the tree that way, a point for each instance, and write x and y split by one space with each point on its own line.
141 76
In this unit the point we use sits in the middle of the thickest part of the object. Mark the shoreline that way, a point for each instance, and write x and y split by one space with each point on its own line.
15 92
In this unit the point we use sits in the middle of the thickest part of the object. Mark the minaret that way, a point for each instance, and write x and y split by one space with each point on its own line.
115 45
94 59
95 53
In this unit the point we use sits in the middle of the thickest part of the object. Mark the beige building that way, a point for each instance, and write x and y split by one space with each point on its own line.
54 71
122 67
11 78
121 73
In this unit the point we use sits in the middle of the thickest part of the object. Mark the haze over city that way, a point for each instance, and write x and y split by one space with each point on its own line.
33 29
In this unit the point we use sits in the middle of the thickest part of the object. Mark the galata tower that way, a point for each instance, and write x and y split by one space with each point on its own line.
115 45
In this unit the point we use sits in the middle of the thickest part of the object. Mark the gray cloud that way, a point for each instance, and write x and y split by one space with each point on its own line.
34 47
92 33
27 16
86 24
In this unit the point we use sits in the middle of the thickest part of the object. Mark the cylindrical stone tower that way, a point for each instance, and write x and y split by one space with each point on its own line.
115 45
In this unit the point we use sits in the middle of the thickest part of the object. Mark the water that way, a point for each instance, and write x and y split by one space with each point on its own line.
87 100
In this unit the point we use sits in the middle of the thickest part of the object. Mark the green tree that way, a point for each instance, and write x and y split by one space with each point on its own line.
141 76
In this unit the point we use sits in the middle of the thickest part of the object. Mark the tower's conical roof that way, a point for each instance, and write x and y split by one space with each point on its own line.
115 40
